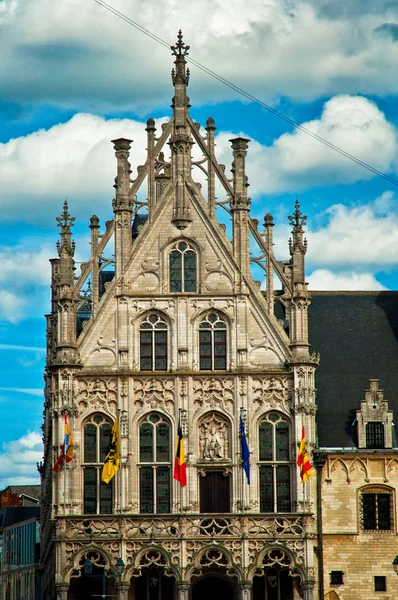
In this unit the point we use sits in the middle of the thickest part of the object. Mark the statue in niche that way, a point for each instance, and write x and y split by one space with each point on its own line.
213 440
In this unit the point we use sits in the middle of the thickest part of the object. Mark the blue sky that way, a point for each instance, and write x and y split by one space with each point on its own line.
73 76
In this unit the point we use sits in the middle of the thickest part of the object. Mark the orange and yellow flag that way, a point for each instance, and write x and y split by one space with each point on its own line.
303 461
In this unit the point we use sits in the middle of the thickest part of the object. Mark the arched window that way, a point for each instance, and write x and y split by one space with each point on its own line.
212 343
153 344
377 509
155 465
275 463
182 268
97 494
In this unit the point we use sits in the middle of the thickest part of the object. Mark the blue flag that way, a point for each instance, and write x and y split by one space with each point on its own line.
244 448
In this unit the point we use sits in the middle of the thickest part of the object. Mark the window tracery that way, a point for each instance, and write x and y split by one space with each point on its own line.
275 463
98 496
153 343
213 343
155 464
183 268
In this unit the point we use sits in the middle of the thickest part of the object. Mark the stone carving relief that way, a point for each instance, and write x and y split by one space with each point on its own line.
214 393
148 278
155 393
217 279
261 352
213 438
273 392
97 394
104 354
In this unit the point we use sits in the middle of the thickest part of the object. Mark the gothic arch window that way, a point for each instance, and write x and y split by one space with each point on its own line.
275 463
213 343
376 509
155 464
98 496
182 268
153 343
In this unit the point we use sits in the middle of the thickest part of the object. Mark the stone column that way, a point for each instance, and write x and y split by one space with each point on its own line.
122 590
308 589
182 590
62 591
245 591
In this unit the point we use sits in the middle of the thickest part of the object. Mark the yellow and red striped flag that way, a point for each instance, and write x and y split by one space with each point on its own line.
180 467
66 454
303 461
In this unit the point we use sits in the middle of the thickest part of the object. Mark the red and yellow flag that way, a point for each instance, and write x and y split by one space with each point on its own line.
180 467
303 461
66 454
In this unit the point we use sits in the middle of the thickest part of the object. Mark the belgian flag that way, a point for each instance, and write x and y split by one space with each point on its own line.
180 467
303 461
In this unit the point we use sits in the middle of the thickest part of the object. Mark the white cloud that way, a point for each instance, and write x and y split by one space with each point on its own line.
356 236
30 391
18 460
74 159
322 279
11 306
295 161
74 53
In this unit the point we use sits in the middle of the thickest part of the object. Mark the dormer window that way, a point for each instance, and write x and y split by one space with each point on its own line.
374 419
182 268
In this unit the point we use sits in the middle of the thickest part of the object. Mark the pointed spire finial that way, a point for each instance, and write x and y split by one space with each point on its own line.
180 48
180 51
65 221
297 219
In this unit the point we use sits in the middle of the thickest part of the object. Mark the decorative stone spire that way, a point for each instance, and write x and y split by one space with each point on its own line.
240 205
122 205
180 74
300 299
181 142
298 245
66 247
180 77
66 328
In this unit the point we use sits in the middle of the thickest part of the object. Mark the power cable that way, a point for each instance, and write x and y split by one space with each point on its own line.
247 95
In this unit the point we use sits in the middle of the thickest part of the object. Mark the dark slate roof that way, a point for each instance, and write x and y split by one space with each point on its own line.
356 334
16 514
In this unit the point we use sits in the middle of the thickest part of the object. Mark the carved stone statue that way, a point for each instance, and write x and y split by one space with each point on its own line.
213 439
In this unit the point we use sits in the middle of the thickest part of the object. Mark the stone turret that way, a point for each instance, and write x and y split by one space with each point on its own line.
181 142
122 205
300 297
66 338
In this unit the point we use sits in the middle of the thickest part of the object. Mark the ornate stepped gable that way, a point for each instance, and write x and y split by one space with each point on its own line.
167 322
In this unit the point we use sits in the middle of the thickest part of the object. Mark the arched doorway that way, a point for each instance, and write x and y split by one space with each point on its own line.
213 587
275 584
153 584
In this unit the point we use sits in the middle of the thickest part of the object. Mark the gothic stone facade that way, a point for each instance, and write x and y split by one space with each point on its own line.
175 325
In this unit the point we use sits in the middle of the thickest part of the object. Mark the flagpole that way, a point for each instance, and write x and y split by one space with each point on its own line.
181 487
64 469
242 482
120 467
